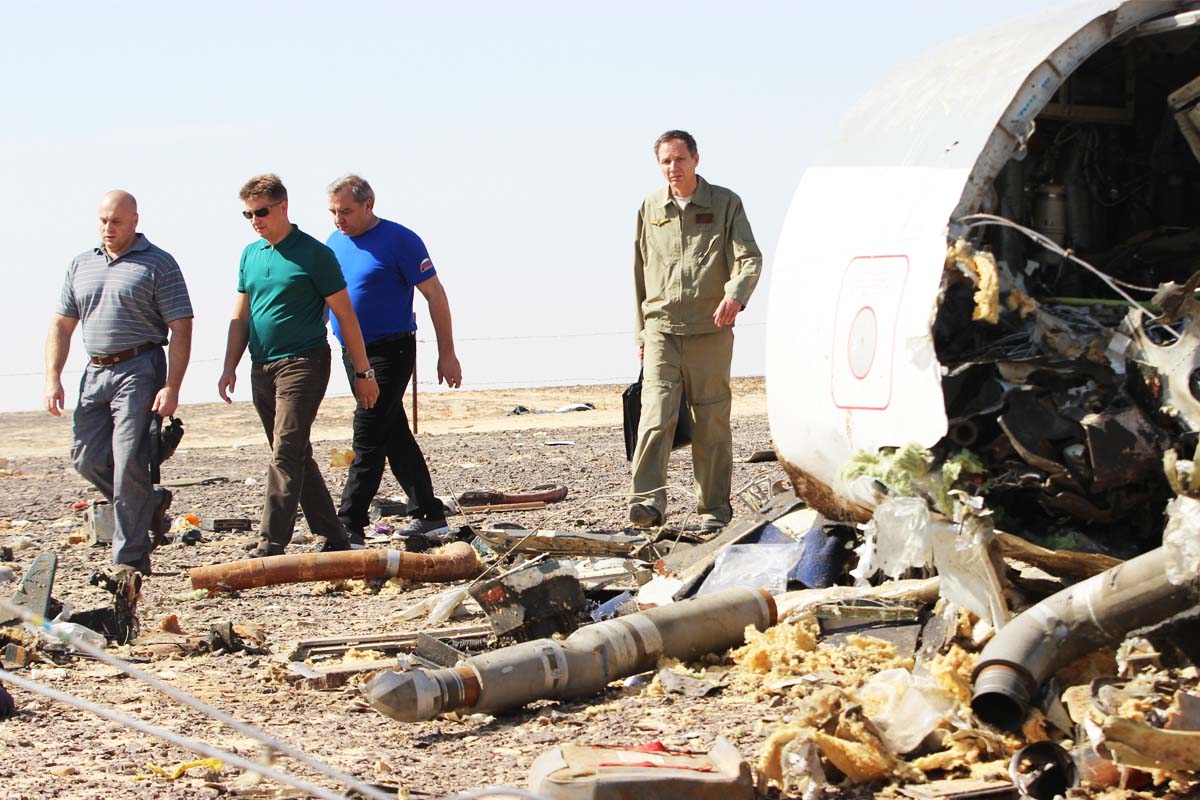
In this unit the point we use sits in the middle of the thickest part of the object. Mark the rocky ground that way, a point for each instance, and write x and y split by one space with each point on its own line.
52 750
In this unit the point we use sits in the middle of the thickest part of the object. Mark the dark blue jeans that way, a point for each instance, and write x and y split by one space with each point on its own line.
382 435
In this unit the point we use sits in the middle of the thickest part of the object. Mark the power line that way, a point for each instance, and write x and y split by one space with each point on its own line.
529 337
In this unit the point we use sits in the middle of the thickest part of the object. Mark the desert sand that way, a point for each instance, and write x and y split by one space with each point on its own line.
35 433
51 750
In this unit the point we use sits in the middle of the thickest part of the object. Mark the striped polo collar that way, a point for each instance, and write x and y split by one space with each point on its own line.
140 242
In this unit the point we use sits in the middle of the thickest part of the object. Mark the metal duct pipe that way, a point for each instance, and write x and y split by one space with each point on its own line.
1091 614
456 562
964 433
582 664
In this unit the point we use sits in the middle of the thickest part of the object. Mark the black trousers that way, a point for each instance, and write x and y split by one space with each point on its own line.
381 434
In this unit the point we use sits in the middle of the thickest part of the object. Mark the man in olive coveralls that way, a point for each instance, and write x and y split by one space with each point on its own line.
695 266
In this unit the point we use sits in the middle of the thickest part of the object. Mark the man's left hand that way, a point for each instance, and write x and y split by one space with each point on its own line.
727 312
449 371
165 402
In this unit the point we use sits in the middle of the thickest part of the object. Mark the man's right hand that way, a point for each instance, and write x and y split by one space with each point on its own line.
641 352
366 390
53 397
226 385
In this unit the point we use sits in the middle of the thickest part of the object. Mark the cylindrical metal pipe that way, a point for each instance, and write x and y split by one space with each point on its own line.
964 433
1079 619
582 664
457 561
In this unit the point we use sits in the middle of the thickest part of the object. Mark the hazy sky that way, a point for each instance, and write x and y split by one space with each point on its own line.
513 137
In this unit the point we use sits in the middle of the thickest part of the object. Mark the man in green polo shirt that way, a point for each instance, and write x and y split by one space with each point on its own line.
695 266
285 282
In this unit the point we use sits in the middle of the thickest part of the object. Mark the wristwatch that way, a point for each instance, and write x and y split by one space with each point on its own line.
369 375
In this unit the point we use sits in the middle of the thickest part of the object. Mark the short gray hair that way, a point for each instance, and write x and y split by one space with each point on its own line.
360 190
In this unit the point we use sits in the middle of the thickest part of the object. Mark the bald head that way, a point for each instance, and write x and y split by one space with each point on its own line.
119 198
118 221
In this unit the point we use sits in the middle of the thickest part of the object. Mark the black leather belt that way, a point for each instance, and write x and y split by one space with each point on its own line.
124 355
394 337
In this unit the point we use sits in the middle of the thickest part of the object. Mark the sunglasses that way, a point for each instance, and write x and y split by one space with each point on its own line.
260 212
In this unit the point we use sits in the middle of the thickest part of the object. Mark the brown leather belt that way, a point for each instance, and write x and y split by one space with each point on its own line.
124 355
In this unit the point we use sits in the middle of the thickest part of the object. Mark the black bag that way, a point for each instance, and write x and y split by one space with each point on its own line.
163 441
631 403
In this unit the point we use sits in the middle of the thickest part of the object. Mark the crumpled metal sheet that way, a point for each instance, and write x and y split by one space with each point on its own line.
1168 365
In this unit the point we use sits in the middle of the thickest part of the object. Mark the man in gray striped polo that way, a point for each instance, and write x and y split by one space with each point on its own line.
128 294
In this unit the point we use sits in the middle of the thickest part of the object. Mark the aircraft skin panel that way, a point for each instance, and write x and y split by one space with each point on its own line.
850 360
851 366
941 110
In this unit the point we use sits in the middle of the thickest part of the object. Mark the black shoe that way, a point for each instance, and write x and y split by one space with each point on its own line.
427 528
265 549
331 545
358 540
160 523
644 515
710 525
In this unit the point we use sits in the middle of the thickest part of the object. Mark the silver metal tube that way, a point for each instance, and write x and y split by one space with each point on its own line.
582 664
1079 619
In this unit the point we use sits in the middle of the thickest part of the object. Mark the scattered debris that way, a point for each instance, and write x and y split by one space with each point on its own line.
674 681
535 602
649 772
660 590
691 564
14 656
1070 624
549 493
456 562
33 593
7 705
212 765
222 524
762 566
961 789
170 640
520 410
98 523
119 622
324 664
1043 771
180 482
531 506
521 540
582 664
331 649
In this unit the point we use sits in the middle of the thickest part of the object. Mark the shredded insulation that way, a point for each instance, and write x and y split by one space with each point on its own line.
980 268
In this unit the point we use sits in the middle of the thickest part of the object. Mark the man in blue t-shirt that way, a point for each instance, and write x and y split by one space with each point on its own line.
382 263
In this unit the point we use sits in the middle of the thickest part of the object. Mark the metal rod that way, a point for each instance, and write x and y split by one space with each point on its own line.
42 624
174 738
414 384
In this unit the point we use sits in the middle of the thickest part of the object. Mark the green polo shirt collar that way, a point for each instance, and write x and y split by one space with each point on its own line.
285 242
